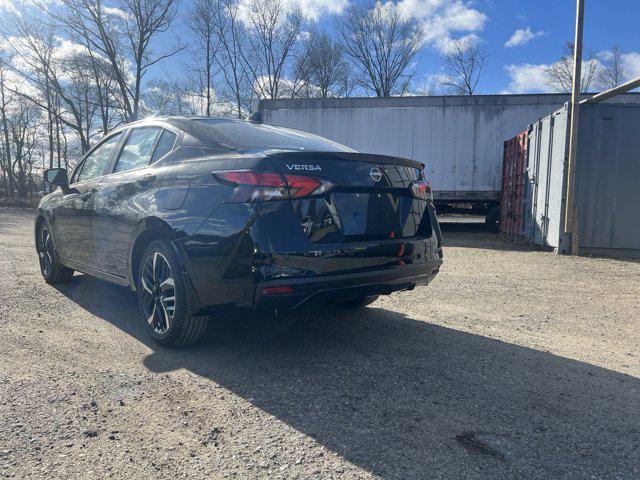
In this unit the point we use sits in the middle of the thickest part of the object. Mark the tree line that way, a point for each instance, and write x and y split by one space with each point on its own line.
73 70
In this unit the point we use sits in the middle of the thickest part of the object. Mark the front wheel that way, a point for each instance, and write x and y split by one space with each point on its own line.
50 267
357 302
162 298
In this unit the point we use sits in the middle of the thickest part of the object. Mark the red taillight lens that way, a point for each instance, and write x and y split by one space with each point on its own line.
277 290
264 186
422 190
254 186
247 177
301 186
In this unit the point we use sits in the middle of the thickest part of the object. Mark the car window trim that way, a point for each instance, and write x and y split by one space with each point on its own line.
124 144
112 169
80 165
175 139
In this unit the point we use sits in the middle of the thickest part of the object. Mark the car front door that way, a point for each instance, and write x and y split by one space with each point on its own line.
125 195
72 215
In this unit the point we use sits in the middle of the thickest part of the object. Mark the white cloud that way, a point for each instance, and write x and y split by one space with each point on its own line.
522 36
311 9
7 5
430 85
17 6
532 78
67 49
447 44
631 65
445 20
116 12
527 78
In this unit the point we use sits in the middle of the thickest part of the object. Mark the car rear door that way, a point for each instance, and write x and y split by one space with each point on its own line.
127 194
72 215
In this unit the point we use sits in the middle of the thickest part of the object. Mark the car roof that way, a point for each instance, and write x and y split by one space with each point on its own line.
201 131
183 122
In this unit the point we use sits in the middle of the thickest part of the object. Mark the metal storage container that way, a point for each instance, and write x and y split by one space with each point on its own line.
514 179
606 183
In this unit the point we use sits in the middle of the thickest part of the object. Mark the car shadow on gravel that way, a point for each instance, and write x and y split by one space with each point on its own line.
403 398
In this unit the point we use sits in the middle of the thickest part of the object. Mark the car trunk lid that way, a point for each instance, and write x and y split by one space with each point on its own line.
370 197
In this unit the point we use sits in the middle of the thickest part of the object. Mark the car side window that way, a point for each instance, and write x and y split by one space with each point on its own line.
95 164
138 148
164 146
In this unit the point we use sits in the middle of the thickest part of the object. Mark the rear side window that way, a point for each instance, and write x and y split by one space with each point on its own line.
138 148
164 146
239 135
95 164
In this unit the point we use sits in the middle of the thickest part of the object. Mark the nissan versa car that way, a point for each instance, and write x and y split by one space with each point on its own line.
200 214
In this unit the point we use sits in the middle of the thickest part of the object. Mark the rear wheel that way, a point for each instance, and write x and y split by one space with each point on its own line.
357 302
162 298
50 267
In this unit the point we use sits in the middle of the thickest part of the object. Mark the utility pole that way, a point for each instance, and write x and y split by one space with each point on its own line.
571 212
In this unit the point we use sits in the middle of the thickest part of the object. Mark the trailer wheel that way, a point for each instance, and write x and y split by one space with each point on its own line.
492 220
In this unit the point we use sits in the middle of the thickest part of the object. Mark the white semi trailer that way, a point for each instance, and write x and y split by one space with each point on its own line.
460 139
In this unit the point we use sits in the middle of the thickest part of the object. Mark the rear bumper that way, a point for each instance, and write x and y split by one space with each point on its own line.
345 286
244 249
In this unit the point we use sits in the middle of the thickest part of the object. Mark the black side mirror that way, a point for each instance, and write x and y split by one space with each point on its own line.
57 176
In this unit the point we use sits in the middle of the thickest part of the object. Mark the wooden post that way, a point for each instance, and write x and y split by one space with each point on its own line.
575 116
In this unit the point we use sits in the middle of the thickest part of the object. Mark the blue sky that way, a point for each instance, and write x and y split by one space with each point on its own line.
518 68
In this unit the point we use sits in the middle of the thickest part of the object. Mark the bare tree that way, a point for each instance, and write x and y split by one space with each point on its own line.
59 81
383 44
5 101
463 65
162 97
560 74
23 125
230 40
202 23
123 37
322 66
612 71
272 36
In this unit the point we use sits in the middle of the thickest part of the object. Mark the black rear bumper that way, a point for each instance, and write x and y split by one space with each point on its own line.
345 286
235 255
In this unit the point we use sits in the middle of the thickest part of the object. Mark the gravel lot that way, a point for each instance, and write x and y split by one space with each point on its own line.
514 363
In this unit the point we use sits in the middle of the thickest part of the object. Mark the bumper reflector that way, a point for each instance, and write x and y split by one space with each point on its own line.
277 290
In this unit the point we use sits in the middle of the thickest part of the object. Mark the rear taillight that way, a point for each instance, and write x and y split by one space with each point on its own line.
266 186
254 186
301 186
422 190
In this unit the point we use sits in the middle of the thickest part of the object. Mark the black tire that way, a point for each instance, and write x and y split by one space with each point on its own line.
169 321
357 302
492 220
50 267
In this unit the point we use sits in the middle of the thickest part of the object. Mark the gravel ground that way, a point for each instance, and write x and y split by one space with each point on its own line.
514 363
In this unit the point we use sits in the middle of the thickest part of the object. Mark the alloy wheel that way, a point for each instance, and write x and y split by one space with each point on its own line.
45 252
158 292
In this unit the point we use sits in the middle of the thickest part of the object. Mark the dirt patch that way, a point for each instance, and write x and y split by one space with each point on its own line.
538 349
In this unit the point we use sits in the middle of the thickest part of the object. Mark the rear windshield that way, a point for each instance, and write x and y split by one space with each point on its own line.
239 135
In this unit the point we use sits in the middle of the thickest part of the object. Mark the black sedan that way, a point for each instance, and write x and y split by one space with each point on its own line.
201 214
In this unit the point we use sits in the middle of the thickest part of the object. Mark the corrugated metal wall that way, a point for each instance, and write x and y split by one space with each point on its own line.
608 179
607 195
